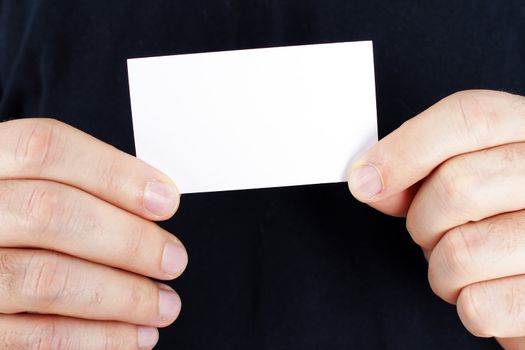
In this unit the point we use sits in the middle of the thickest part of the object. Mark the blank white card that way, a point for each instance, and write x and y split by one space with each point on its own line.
255 118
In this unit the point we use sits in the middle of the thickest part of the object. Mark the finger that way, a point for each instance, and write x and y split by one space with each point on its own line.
55 332
490 249
48 149
52 216
461 123
512 343
466 188
399 204
42 282
494 308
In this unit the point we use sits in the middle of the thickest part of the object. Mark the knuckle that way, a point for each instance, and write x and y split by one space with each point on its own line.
509 229
106 340
9 339
45 281
137 295
508 160
113 338
37 145
473 311
133 299
45 210
134 242
453 186
110 174
452 259
46 335
10 269
516 102
140 296
8 196
514 303
475 117
467 241
513 155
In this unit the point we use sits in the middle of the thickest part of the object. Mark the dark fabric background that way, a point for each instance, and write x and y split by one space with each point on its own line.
291 268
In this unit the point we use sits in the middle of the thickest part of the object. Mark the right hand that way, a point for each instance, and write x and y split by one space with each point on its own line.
77 242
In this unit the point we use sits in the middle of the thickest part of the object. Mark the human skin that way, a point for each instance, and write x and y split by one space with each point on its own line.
456 172
78 242
77 213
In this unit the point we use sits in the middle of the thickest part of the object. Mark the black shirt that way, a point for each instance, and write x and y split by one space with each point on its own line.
288 268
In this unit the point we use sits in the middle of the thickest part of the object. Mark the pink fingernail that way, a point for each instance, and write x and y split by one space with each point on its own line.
147 337
366 182
174 259
160 199
169 305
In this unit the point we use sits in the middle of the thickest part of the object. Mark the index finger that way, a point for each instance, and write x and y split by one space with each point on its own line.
464 122
51 150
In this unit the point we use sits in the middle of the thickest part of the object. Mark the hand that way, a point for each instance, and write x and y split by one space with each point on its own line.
77 244
457 172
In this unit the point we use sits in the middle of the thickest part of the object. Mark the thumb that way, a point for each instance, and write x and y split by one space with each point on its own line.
387 176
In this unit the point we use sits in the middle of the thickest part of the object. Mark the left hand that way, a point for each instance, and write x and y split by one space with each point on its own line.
457 172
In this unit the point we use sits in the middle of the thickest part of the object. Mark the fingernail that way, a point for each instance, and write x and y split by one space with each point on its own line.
147 337
174 259
366 182
160 199
169 305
